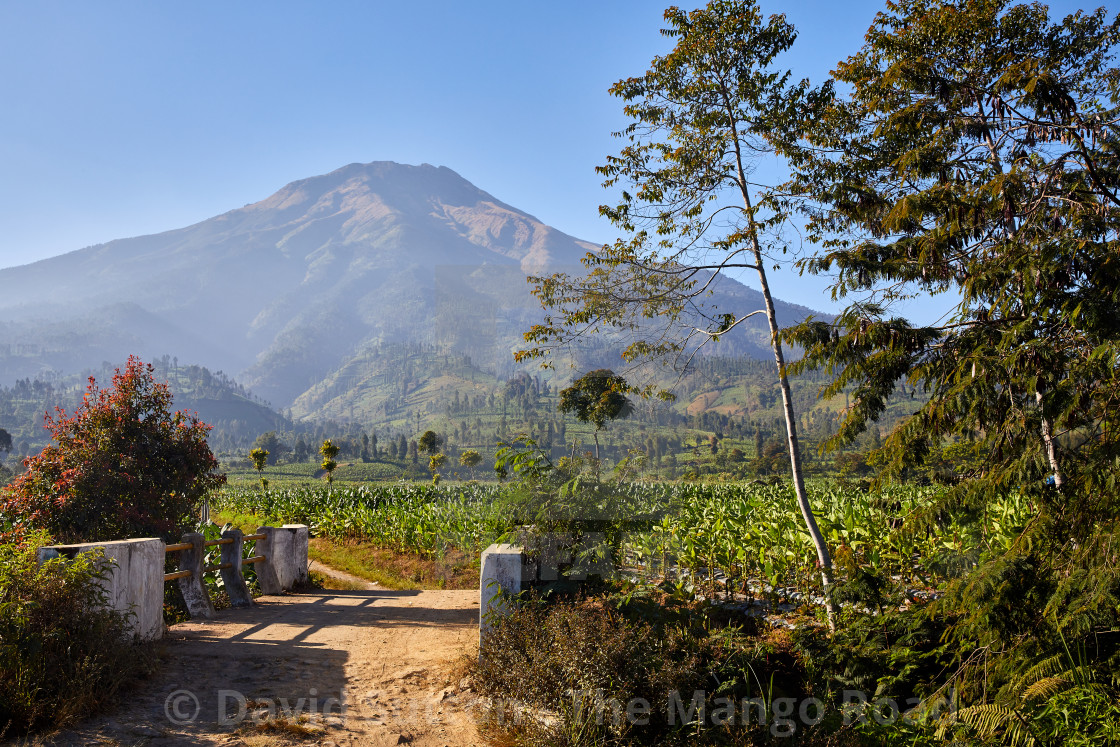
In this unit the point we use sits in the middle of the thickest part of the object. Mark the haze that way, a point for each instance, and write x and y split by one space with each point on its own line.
123 119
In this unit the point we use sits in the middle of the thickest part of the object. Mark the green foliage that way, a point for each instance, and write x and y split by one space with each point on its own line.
62 655
259 458
569 504
974 155
701 117
585 660
430 442
329 452
415 518
272 446
1067 698
596 397
121 466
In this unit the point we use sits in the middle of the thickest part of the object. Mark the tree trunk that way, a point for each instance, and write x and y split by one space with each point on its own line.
1048 441
823 556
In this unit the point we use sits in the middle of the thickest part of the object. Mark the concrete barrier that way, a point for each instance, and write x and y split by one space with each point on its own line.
502 572
133 574
193 587
233 576
285 551
132 579
301 536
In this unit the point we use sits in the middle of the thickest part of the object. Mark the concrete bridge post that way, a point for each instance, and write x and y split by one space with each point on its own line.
285 552
239 595
501 573
194 586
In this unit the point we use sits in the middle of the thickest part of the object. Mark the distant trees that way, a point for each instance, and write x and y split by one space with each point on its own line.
470 459
121 466
430 442
271 444
5 440
302 450
435 464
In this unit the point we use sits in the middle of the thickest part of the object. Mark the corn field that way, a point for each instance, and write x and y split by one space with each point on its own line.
715 539
723 536
409 518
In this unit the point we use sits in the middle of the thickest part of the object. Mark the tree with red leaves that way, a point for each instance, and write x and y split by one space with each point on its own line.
122 466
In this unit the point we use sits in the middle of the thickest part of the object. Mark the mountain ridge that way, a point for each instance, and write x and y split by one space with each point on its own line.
291 289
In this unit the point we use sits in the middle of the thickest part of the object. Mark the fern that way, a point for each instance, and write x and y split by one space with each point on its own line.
990 720
1048 687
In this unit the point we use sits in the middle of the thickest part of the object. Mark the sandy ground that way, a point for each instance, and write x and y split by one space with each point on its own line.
366 667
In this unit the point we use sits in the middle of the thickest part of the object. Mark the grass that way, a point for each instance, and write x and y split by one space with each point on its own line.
386 567
323 581
247 523
396 570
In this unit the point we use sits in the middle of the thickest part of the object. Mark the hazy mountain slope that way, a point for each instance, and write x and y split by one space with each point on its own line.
298 288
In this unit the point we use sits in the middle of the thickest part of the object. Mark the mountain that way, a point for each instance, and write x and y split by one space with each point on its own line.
299 293
237 417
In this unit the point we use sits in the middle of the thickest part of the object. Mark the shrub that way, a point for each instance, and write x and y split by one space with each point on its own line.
582 661
60 652
121 466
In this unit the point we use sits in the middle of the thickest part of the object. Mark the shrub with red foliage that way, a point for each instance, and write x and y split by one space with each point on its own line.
122 466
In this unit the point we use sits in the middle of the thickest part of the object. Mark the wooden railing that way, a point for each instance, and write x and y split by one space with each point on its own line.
280 560
213 543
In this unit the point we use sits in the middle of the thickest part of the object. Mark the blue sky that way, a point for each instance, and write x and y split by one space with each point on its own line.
121 119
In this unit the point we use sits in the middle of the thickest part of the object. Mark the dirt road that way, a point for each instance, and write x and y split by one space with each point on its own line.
367 667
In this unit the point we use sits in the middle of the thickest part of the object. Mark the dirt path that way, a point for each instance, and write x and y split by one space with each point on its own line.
366 667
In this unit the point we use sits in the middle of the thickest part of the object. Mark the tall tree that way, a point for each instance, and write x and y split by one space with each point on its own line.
976 156
701 119
259 457
596 397
470 459
272 445
430 442
329 451
302 450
